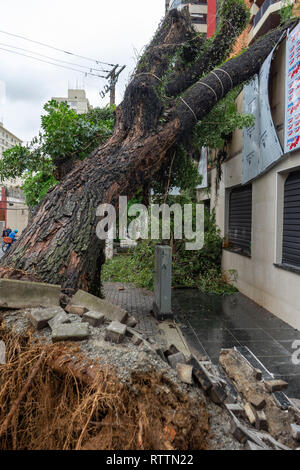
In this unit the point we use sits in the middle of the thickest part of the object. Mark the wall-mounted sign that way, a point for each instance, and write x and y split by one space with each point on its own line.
261 146
292 91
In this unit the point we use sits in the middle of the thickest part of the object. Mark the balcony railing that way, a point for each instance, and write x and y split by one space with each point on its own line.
177 3
263 9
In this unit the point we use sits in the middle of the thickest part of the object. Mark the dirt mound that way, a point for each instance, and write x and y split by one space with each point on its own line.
51 399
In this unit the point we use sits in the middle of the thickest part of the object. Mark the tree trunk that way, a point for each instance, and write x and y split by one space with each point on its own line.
60 245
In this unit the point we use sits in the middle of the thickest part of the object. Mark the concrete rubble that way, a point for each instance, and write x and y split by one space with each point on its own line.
235 390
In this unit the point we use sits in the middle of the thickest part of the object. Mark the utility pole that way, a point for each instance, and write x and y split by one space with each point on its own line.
112 76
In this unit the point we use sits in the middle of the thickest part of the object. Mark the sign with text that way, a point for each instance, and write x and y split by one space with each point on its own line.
261 146
292 91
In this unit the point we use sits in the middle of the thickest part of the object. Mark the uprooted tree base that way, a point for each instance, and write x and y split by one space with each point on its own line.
70 405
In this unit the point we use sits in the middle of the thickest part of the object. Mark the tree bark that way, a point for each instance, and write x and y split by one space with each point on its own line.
60 245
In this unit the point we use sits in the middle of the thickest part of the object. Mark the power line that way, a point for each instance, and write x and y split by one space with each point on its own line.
56 48
52 63
53 58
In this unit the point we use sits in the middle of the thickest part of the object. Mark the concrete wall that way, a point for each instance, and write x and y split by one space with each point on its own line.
274 288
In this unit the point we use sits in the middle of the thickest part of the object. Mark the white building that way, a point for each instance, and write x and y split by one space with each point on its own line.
76 100
7 139
13 210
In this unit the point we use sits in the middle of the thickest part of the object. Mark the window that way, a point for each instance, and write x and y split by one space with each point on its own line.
291 220
199 19
240 219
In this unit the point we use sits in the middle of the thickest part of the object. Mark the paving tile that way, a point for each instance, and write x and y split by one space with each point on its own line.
214 335
280 365
249 334
213 348
281 334
266 348
291 345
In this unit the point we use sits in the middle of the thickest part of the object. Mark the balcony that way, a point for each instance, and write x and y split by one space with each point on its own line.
265 19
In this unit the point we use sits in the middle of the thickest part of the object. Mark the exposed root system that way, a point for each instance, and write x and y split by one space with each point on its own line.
51 399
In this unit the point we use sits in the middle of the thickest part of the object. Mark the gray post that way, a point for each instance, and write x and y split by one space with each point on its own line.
162 282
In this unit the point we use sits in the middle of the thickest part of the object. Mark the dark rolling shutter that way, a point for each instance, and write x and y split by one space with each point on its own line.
240 219
291 220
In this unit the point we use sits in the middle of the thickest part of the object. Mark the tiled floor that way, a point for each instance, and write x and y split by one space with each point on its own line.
213 322
138 302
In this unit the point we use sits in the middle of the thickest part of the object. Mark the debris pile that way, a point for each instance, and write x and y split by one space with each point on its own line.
80 377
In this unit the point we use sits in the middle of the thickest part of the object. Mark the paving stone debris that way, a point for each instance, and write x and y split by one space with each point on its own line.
71 332
39 317
76 309
258 401
184 372
61 317
295 431
93 318
275 385
115 332
178 358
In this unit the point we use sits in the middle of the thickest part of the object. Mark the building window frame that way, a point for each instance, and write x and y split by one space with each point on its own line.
227 242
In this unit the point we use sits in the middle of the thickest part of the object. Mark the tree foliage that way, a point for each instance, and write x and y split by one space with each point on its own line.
65 136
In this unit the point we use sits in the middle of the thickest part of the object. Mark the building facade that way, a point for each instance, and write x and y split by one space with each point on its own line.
203 13
76 100
13 210
7 139
260 217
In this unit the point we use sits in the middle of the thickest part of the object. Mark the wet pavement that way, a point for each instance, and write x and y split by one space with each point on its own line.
210 323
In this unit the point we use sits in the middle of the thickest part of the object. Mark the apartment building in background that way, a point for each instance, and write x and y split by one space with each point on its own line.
203 13
13 209
257 199
7 139
76 100
265 15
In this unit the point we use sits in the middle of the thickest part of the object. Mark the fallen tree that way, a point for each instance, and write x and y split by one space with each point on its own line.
177 81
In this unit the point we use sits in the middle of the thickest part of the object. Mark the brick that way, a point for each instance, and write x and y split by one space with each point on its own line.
184 372
76 309
250 412
70 331
61 317
171 350
175 359
257 401
115 332
93 318
236 410
295 431
39 317
131 322
136 340
202 379
2 353
252 446
275 385
261 420
217 393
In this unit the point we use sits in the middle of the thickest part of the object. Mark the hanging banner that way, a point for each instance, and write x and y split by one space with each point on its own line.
202 169
261 146
292 91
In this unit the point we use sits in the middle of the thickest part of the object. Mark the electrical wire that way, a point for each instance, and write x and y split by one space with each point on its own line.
52 63
56 48
53 58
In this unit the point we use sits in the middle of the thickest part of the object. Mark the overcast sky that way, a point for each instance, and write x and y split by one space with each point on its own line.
111 31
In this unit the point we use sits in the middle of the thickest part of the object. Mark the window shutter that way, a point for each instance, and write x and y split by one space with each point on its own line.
240 219
291 220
